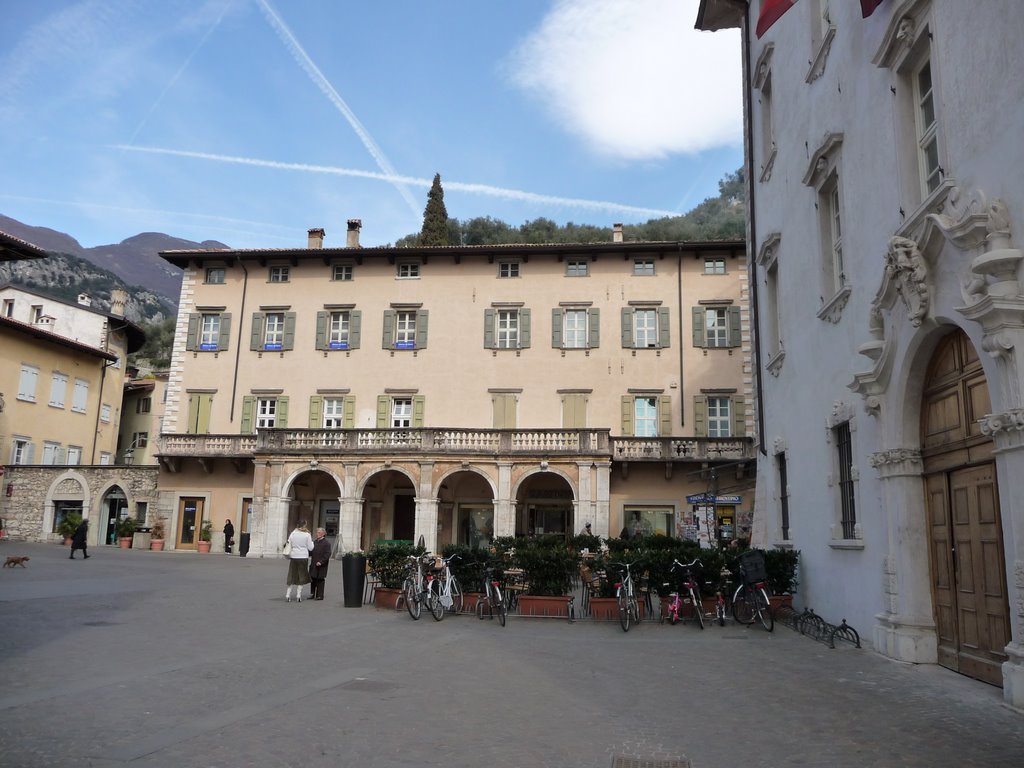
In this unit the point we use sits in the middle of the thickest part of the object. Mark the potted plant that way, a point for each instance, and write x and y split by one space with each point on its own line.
387 563
124 528
205 536
68 525
549 566
781 566
156 541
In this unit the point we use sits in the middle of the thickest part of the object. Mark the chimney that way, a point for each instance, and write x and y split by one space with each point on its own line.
117 300
85 300
316 238
352 240
616 233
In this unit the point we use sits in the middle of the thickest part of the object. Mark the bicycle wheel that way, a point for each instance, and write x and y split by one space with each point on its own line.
743 608
412 598
698 609
763 608
434 604
634 608
720 611
623 602
499 608
457 597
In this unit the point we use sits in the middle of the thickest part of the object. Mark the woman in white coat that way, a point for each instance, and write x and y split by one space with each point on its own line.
298 561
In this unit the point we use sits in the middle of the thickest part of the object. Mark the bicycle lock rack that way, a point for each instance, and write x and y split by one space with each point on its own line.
807 622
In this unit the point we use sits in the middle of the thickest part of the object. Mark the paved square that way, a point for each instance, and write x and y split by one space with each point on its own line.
174 659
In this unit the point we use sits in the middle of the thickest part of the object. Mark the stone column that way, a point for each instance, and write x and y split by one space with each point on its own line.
426 522
270 529
602 498
504 507
583 506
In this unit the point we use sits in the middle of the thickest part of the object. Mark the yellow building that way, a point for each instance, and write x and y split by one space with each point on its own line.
142 412
455 393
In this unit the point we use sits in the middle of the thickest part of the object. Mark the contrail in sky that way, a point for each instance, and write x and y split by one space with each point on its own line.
324 85
479 189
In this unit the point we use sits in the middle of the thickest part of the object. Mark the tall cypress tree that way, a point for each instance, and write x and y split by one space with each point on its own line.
435 216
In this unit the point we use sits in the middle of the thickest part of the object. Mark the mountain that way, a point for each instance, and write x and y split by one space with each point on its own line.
135 261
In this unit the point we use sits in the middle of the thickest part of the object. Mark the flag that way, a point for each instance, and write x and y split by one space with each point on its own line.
771 11
867 7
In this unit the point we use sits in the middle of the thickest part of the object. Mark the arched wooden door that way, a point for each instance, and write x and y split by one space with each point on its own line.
968 568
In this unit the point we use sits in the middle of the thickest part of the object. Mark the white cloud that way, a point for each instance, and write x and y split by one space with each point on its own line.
633 78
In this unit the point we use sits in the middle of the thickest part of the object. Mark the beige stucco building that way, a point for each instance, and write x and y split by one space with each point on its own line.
456 393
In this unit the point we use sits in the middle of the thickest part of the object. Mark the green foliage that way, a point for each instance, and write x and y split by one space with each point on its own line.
549 564
157 525
159 341
69 524
781 565
206 531
587 541
435 216
389 561
125 527
469 567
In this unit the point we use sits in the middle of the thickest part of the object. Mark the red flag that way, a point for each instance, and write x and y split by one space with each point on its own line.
867 7
771 11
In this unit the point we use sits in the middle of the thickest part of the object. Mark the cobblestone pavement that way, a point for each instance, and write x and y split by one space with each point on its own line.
175 659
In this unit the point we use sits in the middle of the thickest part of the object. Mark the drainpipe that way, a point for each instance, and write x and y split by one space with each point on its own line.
238 346
679 302
99 410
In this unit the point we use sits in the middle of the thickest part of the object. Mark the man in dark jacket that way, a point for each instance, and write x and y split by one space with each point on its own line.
78 539
319 559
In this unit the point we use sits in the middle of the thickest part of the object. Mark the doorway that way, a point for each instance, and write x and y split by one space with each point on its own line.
190 518
405 518
114 506
968 567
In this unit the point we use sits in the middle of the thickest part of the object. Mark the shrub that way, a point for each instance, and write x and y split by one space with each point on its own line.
125 527
549 564
389 562
781 568
69 524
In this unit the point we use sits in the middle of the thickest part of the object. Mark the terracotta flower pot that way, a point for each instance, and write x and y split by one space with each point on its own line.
543 605
156 544
124 543
202 546
469 601
387 598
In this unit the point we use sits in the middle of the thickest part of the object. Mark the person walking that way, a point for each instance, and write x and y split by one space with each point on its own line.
78 539
229 535
318 562
298 572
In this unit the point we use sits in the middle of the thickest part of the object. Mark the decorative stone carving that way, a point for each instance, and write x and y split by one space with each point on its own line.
68 487
897 461
841 412
778 446
1008 421
905 265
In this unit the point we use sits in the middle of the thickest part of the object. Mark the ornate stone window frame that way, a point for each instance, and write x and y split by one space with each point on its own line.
823 170
768 260
843 412
821 40
763 84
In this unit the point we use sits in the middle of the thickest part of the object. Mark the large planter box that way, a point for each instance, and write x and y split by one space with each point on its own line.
607 608
387 598
543 605
470 599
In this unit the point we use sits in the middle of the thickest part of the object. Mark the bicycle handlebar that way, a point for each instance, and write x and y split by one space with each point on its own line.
696 561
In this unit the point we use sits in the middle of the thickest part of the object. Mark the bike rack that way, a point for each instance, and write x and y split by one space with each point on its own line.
807 622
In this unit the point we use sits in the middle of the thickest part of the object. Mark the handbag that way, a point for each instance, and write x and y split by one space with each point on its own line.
287 550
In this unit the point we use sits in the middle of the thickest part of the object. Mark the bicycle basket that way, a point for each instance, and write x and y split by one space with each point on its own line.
752 566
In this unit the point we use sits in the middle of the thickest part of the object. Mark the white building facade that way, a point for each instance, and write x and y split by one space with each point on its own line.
887 206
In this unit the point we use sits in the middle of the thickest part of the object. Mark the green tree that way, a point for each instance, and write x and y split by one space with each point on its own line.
435 216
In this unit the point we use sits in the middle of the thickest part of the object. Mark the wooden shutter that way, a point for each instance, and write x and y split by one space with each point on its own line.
524 328
248 404
192 339
256 336
665 415
419 403
627 330
574 411
739 417
556 327
627 415
316 412
355 325
664 329
349 411
389 329
193 414
421 329
321 329
289 331
383 408
488 328
593 328
203 414
697 314
700 416
281 421
734 327
224 337
504 410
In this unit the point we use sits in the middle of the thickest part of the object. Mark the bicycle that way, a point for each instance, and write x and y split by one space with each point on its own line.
625 594
416 587
675 605
721 593
493 601
750 600
446 589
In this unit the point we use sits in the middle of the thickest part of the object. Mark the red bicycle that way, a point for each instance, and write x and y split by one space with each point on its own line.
687 599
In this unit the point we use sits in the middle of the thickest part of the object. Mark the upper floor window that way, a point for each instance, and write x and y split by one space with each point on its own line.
80 399
646 415
338 329
824 176
719 413
8 307
272 331
140 439
278 275
506 328
643 266
405 328
27 383
74 456
143 405
575 327
577 268
105 413
215 275
58 390
714 266
22 450
843 440
719 417
716 326
927 139
408 270
334 412
208 330
400 411
341 272
508 269
210 333
51 453
266 412
645 327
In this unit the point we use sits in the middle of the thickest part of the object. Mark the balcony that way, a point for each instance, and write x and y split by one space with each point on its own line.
683 449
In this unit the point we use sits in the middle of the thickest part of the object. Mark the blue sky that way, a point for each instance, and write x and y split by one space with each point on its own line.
250 121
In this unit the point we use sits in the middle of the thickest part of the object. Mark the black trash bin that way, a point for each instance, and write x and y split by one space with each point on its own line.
353 575
243 545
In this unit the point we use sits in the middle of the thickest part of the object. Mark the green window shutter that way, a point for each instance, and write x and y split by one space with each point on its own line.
355 326
419 402
289 331
627 415
282 412
349 418
700 416
593 328
256 337
698 326
248 403
665 415
192 339
739 416
193 414
421 329
488 328
664 329
734 327
321 330
524 328
389 329
316 406
574 412
627 328
556 327
383 407
224 337
203 418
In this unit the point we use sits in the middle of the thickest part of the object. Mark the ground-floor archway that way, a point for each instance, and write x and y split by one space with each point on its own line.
545 504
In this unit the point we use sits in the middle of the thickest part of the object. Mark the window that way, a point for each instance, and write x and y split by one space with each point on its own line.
27 383
644 521
719 413
844 454
264 411
139 440
780 461
714 266
215 275
272 331
74 455
342 272
51 453
716 326
824 176
61 509
22 450
646 414
208 331
338 329
81 397
577 268
105 413
200 405
405 328
504 409
643 266
400 411
278 275
823 32
8 307
645 417
574 327
508 269
58 390
334 412
645 327
768 261
834 232
104 458
408 271
143 405
719 422
927 141
506 328
763 85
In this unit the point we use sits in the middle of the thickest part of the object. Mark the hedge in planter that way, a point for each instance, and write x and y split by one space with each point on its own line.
781 568
549 565
389 561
